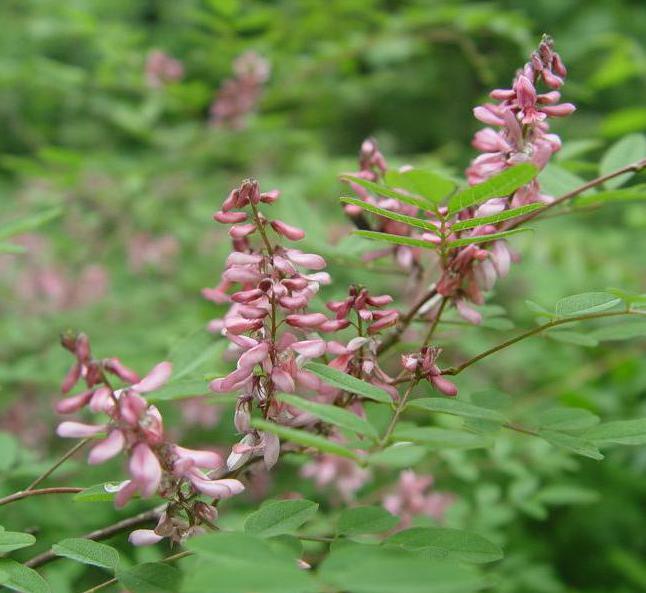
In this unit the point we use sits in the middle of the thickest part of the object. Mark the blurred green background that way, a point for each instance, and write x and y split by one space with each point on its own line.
138 170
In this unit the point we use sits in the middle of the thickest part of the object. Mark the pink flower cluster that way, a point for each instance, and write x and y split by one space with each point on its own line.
162 69
271 330
372 167
155 465
239 96
521 116
423 365
412 498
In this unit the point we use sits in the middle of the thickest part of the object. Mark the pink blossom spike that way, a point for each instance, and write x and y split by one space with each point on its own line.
444 386
74 403
156 378
310 261
254 356
144 537
309 348
290 232
306 320
108 448
229 217
201 458
282 380
114 366
145 470
78 430
242 230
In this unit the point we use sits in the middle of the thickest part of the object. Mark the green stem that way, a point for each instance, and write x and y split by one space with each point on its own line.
43 491
532 332
398 410
58 463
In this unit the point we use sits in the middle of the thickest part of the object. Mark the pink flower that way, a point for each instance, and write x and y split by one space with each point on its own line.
145 469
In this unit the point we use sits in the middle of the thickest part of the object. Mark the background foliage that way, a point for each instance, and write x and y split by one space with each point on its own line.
84 133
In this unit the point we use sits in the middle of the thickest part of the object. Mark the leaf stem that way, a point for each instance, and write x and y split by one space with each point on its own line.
398 410
58 463
43 491
532 332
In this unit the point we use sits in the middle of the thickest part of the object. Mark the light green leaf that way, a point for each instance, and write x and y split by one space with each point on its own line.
540 310
497 186
456 407
399 455
88 552
348 383
98 493
585 303
193 351
572 337
629 149
281 516
620 331
331 414
486 238
383 190
29 223
557 181
396 239
13 540
621 432
150 577
454 544
22 579
409 220
626 194
426 184
440 438
631 298
11 248
566 494
580 446
224 547
470 223
563 418
360 520
301 437
384 569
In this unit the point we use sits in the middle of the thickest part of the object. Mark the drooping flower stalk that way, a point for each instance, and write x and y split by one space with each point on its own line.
134 426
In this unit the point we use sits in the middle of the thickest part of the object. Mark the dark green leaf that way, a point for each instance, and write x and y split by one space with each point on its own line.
470 223
396 239
400 455
150 577
440 438
282 516
454 544
359 520
622 432
565 419
13 540
409 220
580 446
485 238
456 407
88 552
22 579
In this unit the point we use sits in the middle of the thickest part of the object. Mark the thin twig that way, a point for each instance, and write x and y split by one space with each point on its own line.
633 167
58 463
436 320
104 533
458 369
398 410
43 491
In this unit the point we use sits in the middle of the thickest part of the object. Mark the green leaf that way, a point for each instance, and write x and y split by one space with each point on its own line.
565 419
566 494
627 194
11 248
180 390
98 493
631 298
409 220
395 239
383 190
281 516
399 455
380 569
621 432
470 223
440 438
620 331
301 437
585 303
503 184
572 337
426 184
485 238
360 520
629 149
88 552
194 351
540 310
454 544
29 223
13 540
577 445
241 563
557 181
331 414
348 383
150 577
456 407
22 579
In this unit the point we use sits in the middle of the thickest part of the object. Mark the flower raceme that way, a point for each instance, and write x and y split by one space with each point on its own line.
155 465
273 332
